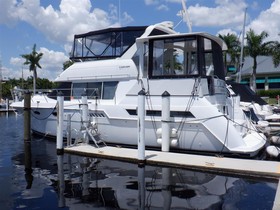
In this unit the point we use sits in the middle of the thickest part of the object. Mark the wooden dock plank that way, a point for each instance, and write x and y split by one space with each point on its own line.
248 167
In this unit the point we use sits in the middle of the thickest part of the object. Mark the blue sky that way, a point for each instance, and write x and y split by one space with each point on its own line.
51 24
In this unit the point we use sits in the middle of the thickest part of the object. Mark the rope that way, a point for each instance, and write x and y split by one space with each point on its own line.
150 105
33 113
188 107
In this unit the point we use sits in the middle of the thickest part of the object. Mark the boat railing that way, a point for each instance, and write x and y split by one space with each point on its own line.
109 76
18 93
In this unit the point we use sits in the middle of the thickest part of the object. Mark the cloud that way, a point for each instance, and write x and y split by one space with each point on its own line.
162 7
268 21
226 13
151 2
58 25
8 12
227 31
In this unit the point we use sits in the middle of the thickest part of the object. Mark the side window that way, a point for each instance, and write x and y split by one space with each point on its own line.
109 89
94 89
104 90
208 58
78 89
158 52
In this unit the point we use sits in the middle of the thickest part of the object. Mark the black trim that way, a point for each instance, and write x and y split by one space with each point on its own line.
157 113
107 30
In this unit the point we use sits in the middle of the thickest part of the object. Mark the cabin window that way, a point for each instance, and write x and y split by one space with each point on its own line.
101 90
109 89
184 57
172 57
62 87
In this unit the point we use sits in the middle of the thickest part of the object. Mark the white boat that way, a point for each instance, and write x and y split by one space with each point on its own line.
113 65
258 110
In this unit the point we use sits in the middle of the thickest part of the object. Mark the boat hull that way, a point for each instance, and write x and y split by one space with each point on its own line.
194 135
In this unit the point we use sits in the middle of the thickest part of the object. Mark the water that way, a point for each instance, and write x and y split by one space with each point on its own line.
32 176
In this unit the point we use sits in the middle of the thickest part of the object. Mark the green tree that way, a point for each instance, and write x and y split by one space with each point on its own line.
256 46
233 45
66 64
32 60
276 54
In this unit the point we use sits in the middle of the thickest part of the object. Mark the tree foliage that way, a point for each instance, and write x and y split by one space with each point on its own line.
233 45
257 46
25 84
32 60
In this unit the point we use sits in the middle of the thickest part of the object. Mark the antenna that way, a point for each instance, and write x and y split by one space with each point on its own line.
242 47
185 16
120 12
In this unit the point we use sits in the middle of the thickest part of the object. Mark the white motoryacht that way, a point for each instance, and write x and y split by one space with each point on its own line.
113 65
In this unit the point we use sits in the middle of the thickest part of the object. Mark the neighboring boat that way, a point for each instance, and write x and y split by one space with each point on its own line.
257 109
113 65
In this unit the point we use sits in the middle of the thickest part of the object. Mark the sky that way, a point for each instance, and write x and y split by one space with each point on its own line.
52 24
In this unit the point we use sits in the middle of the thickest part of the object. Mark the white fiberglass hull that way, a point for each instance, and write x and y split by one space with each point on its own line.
211 132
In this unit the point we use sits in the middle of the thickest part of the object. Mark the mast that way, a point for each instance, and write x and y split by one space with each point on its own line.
242 47
185 16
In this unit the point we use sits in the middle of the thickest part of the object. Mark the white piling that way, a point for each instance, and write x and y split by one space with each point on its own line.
141 127
165 116
60 113
84 107
85 115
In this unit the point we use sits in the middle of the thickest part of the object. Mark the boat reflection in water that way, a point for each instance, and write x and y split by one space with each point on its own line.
103 183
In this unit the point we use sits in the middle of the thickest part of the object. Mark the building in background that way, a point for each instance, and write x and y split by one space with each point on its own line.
268 76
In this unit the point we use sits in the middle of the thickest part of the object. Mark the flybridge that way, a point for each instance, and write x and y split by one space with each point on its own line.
105 44
113 42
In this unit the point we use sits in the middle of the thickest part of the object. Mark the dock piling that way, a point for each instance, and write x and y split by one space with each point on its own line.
141 127
85 116
27 119
165 114
60 113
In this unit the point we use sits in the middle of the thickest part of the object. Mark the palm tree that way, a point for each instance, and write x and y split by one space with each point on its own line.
276 54
32 60
255 47
233 45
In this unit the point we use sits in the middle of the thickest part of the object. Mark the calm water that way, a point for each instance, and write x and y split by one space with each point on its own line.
32 176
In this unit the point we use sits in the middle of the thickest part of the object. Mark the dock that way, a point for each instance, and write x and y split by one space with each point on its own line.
217 164
7 110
